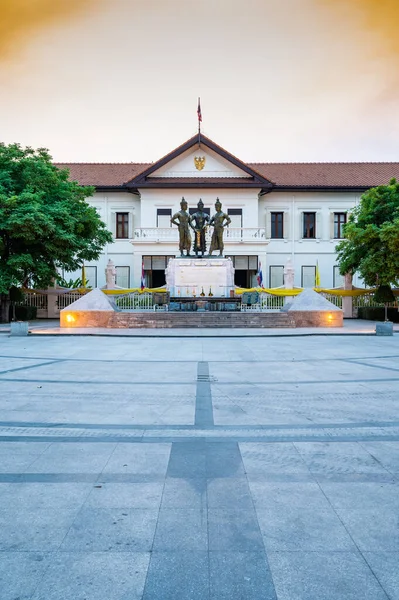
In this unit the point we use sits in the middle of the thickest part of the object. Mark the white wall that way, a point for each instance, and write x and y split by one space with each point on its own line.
305 252
151 199
256 213
184 166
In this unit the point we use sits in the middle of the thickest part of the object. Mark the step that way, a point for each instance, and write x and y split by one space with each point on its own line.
200 320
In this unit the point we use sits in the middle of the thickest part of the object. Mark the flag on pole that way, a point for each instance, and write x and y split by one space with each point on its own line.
199 111
142 275
317 282
259 276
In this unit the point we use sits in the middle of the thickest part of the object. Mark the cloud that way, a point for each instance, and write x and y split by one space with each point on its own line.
20 20
377 19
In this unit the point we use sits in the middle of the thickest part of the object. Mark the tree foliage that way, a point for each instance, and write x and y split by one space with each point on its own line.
45 222
371 244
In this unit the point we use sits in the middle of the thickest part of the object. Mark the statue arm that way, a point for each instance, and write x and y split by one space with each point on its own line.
228 220
174 221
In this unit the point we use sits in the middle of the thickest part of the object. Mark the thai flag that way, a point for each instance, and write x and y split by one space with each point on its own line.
142 275
199 111
259 276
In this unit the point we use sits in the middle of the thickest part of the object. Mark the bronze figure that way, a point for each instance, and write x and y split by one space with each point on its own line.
219 221
182 220
199 222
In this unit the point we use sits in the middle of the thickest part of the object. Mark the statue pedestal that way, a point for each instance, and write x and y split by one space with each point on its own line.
187 277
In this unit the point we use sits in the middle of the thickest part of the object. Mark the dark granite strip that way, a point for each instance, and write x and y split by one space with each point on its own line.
192 440
208 544
237 558
43 364
179 565
368 364
149 427
203 400
295 382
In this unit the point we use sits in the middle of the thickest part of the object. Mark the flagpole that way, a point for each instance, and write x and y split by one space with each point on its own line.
199 120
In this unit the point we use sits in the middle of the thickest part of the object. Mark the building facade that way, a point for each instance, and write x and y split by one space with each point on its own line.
278 211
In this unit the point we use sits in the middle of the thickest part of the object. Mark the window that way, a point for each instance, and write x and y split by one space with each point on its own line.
277 222
122 225
91 277
122 278
154 268
339 222
244 262
309 225
276 276
338 279
235 215
163 217
308 277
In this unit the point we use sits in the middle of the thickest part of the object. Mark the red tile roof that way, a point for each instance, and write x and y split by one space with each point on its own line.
328 174
103 174
295 175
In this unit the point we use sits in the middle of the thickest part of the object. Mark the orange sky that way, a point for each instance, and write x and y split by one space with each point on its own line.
279 80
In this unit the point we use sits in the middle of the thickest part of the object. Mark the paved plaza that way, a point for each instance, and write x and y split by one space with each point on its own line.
260 468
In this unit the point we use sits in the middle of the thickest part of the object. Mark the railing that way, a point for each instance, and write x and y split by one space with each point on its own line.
38 300
368 300
134 301
336 300
271 302
171 234
64 300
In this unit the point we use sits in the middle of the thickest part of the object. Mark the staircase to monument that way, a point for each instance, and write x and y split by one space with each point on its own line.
197 320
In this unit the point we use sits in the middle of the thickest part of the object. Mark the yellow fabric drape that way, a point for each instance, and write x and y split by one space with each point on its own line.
297 291
238 291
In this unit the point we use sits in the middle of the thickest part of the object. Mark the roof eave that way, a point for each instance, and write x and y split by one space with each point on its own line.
197 140
320 188
200 184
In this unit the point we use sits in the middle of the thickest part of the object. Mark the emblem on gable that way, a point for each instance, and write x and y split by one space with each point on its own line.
199 162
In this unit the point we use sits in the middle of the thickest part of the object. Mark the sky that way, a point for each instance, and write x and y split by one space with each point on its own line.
279 80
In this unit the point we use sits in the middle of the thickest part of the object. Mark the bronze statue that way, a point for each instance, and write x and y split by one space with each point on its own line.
201 221
182 220
219 221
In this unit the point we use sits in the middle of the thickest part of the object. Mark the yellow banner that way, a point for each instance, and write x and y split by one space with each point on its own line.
297 291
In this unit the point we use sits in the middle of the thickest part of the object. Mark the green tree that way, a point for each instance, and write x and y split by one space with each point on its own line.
45 222
371 244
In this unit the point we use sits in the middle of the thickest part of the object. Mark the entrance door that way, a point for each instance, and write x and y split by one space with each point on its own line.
158 278
241 278
154 267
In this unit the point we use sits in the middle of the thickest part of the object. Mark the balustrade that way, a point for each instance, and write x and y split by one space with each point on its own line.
171 234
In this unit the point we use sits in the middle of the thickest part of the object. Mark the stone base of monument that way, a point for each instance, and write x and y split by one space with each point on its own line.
385 328
19 328
311 309
191 277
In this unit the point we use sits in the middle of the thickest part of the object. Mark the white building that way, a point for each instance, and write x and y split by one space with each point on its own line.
278 211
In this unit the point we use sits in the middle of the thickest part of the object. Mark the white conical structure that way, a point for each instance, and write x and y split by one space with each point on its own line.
95 300
309 300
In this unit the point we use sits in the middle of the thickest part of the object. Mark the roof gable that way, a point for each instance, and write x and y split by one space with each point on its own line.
186 163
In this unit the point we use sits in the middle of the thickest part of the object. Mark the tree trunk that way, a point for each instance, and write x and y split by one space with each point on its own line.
386 311
4 308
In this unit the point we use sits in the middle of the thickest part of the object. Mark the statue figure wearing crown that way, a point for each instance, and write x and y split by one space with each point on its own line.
182 220
220 220
199 221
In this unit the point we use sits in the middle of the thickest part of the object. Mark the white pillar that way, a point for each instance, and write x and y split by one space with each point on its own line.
137 262
110 275
53 311
289 278
347 301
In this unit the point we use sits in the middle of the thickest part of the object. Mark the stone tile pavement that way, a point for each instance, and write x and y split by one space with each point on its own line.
254 468
52 327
